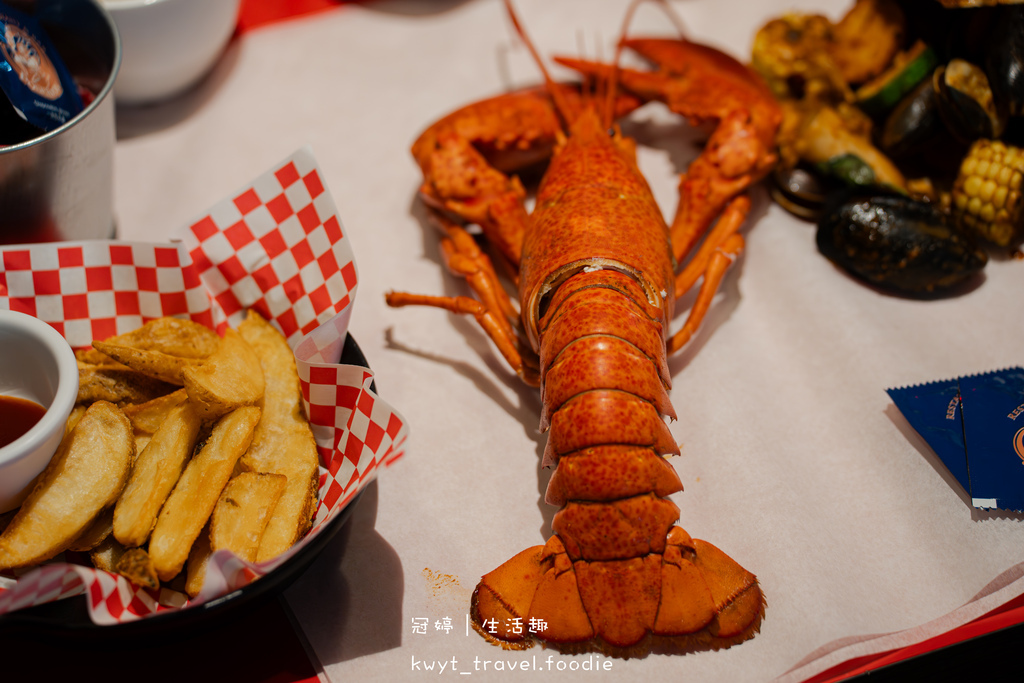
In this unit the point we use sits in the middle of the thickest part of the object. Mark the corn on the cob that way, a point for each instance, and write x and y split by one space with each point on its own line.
987 195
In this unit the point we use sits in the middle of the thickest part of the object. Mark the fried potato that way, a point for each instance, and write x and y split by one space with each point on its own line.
172 336
195 570
76 414
118 385
228 379
192 501
136 566
94 357
283 442
154 475
147 417
141 441
242 513
95 533
106 555
155 364
85 476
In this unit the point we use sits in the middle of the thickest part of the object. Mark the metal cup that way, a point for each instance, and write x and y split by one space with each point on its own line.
59 186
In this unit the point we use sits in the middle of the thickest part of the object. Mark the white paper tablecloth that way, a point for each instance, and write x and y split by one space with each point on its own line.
795 461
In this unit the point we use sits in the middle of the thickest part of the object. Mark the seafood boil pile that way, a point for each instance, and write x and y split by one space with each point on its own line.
901 135
598 272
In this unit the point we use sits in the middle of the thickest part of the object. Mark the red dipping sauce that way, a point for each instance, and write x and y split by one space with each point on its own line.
17 416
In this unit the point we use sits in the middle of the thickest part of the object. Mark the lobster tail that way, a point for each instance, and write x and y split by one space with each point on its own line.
610 414
617 574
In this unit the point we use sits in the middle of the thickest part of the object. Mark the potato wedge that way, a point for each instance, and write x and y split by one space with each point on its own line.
192 501
85 476
76 414
94 357
155 364
198 558
230 378
283 442
136 566
106 555
118 385
172 336
147 417
154 475
95 533
245 506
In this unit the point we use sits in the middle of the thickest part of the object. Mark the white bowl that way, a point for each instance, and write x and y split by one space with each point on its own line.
36 363
167 46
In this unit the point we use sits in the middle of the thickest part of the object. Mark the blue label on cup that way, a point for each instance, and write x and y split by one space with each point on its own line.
32 75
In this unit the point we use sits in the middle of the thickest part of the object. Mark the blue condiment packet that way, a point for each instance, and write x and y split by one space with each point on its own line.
975 424
32 75
993 414
933 410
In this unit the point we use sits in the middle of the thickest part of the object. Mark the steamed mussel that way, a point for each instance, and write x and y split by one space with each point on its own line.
944 113
896 243
870 155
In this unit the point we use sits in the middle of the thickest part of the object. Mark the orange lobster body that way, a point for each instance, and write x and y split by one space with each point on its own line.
596 288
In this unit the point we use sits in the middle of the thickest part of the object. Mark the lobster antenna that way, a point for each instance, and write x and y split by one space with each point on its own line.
672 15
677 22
609 109
556 94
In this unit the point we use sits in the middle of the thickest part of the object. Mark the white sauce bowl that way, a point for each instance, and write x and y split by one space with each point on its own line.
168 45
36 363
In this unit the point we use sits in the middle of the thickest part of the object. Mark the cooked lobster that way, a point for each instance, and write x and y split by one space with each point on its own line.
595 267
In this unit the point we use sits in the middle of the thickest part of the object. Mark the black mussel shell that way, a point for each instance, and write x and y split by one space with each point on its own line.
914 123
1004 60
966 103
896 243
802 191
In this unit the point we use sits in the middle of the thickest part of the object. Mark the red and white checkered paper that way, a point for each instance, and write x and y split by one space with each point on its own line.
276 246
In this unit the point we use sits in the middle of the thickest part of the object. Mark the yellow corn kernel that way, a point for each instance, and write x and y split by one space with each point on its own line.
999 198
1004 175
972 186
988 188
987 194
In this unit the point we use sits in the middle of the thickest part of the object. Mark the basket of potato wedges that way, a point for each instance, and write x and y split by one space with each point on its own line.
189 467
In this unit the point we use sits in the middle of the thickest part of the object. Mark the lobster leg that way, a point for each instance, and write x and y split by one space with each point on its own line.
464 258
711 262
492 322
